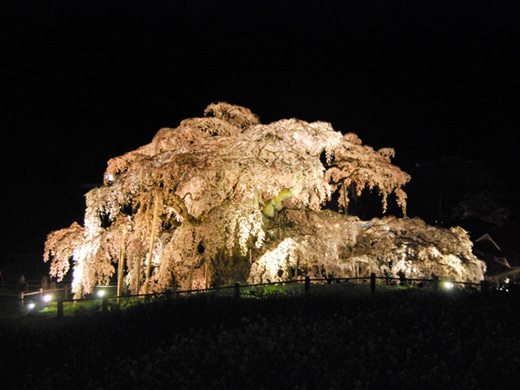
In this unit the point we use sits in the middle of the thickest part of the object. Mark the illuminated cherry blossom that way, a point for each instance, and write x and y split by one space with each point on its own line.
225 198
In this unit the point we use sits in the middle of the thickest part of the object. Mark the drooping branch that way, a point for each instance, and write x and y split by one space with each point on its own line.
354 163
60 247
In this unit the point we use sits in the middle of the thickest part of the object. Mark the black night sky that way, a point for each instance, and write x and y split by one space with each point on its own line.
84 81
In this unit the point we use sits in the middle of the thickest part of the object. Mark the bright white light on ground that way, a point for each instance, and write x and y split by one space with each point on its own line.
448 285
31 305
47 298
100 293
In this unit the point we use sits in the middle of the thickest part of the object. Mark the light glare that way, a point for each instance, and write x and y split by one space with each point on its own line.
448 285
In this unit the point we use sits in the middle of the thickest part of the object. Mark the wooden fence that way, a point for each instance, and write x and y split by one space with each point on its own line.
61 295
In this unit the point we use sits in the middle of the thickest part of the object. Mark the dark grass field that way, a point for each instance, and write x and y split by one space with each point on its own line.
336 337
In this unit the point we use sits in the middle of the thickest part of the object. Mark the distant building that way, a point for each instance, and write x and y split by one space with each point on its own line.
500 252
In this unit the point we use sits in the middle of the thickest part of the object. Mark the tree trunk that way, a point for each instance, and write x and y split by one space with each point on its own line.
190 276
345 203
206 274
121 266
152 240
137 276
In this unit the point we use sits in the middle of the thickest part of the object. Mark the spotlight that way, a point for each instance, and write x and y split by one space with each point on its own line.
448 285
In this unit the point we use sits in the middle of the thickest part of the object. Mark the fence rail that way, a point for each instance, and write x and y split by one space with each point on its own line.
42 298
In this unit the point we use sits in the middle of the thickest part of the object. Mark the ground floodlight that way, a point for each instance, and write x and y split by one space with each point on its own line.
47 298
448 285
104 291
31 305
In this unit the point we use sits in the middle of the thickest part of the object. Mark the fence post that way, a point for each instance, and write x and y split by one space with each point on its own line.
436 283
237 290
22 299
59 303
104 304
372 283
307 284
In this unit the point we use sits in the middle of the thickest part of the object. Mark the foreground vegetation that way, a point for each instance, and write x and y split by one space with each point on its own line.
338 336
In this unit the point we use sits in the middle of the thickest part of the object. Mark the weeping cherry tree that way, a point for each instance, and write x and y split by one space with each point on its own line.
224 198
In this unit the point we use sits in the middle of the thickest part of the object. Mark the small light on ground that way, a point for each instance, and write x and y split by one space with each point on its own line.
448 285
